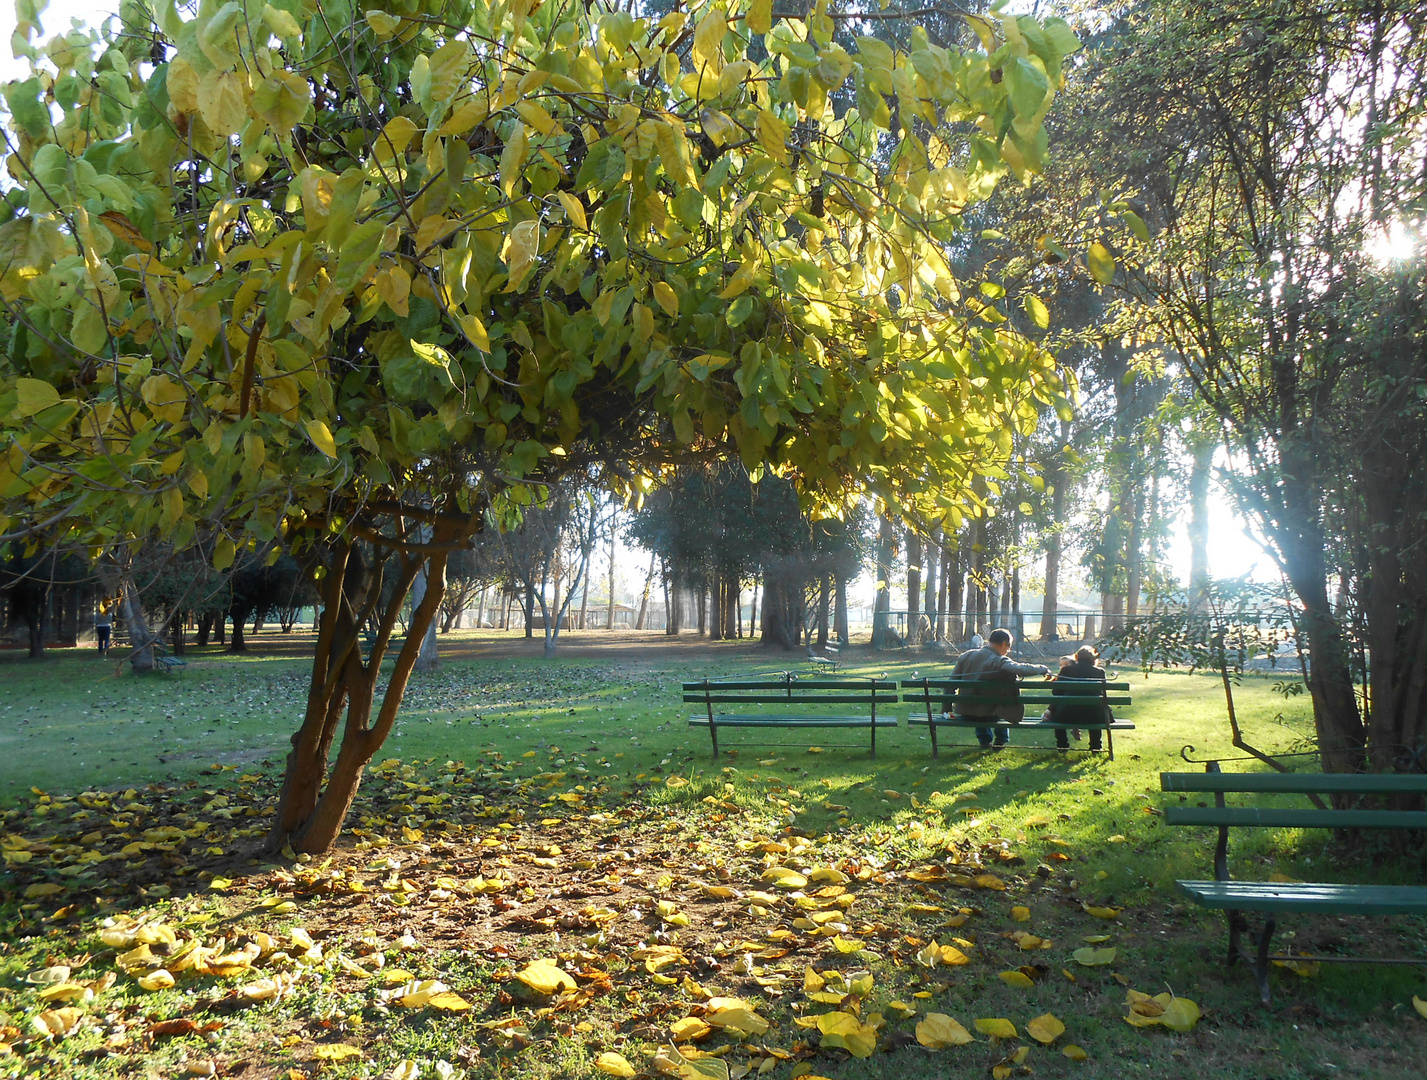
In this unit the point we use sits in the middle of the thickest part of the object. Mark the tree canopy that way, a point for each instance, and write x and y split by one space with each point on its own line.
301 273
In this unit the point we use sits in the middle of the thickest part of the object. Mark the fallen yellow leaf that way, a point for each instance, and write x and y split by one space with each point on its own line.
545 977
1017 979
1021 914
1101 912
614 1064
1094 957
1001 1029
840 1029
1045 1029
1420 1006
689 1029
336 1052
1073 1052
938 1031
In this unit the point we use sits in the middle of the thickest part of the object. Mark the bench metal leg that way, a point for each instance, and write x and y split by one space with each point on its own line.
713 733
1110 742
1261 960
1236 926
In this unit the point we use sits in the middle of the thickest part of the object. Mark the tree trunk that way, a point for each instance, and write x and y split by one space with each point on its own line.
1199 526
609 615
953 582
914 584
1050 606
427 658
141 638
839 610
1134 547
824 603
220 628
529 612
310 812
881 628
644 595
235 641
205 629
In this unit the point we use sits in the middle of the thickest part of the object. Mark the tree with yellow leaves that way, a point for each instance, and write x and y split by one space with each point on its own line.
362 282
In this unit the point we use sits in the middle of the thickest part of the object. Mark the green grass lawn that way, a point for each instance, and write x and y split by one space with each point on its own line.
1075 830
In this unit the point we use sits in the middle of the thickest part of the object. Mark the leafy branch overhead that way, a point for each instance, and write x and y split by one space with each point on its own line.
270 265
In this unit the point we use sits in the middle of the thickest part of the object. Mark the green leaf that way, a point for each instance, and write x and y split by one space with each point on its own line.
1036 309
1137 226
759 18
282 99
224 551
35 395
603 167
1026 85
359 253
1101 263
739 310
26 108
321 437
1060 36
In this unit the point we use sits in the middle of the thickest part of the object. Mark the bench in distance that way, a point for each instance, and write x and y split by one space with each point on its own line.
790 702
1272 897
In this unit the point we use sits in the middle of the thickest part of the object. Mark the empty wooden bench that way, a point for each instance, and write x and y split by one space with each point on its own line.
787 701
941 701
1271 897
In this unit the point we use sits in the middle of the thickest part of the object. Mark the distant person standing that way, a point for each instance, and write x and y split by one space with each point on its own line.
990 664
103 628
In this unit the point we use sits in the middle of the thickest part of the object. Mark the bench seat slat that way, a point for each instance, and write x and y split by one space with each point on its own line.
1296 783
1025 699
935 685
1295 818
1032 725
1308 897
773 686
792 721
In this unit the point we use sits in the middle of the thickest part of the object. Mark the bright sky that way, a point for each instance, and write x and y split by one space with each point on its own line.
55 19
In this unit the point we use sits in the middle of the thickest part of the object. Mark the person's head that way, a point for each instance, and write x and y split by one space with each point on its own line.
1086 655
1066 661
1000 640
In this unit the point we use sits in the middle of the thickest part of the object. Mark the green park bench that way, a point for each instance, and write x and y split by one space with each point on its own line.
166 661
938 698
787 701
1271 897
827 660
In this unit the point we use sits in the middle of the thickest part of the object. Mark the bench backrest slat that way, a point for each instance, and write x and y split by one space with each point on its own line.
1297 783
960 681
796 699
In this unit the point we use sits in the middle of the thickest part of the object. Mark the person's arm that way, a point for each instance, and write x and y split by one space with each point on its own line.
1012 668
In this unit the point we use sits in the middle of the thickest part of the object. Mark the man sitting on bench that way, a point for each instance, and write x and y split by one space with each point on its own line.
990 664
1081 666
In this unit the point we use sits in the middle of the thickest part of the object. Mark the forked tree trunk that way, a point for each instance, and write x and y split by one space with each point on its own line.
140 636
314 800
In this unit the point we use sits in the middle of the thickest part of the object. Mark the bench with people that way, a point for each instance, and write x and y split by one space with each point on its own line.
984 692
